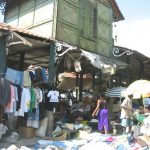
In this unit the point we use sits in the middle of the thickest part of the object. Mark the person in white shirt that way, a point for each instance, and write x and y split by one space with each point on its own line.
53 95
127 114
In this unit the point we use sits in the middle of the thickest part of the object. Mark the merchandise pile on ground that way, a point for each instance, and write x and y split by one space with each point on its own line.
86 141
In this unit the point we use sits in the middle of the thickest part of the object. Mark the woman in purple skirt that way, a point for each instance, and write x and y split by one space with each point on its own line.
101 111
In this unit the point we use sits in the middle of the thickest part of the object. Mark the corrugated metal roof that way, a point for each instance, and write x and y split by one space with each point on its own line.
6 27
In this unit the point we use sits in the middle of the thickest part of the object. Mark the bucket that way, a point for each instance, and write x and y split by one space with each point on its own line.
50 125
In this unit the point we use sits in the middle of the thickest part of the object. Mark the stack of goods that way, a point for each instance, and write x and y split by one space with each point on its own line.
145 128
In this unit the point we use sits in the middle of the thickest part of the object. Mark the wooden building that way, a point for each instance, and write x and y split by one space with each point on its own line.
61 26
86 24
138 66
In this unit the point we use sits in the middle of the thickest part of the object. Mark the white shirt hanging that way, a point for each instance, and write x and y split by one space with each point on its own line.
53 95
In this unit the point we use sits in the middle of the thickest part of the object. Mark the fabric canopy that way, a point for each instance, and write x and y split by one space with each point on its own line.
103 62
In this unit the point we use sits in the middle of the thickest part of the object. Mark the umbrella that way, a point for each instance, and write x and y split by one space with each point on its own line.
146 90
139 88
116 92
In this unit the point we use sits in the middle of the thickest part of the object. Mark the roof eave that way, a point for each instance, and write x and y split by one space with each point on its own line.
118 16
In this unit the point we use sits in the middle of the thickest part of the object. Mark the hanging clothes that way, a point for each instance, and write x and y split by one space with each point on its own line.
38 75
25 99
26 79
14 76
10 105
32 102
5 91
38 96
32 76
24 103
19 91
33 118
44 76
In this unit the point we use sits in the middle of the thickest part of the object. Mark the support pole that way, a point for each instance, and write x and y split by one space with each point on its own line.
22 56
100 80
81 86
2 55
77 86
128 70
93 81
2 67
52 65
141 71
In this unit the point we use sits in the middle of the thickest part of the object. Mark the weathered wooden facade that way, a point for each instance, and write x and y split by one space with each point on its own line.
86 24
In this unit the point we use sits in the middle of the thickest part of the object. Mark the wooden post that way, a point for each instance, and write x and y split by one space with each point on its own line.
2 67
22 56
77 86
93 84
81 86
2 55
119 80
52 65
128 70
100 80
141 71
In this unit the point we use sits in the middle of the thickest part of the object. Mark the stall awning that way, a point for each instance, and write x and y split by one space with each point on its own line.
116 92
103 62
107 65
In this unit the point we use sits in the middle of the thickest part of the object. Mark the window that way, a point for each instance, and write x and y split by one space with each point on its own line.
88 19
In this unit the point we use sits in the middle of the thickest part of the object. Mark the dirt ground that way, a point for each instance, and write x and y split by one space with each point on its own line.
21 142
30 142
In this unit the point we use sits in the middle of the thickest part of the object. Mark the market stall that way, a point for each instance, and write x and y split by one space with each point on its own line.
115 94
141 91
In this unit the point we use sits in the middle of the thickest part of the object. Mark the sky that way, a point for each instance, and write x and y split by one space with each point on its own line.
134 31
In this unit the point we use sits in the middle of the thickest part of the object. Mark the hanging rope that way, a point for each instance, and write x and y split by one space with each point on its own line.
23 40
73 57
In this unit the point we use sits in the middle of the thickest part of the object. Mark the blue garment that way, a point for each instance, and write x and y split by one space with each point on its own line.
14 76
44 76
33 118
126 122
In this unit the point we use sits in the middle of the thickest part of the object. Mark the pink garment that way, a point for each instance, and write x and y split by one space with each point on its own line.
110 139
9 106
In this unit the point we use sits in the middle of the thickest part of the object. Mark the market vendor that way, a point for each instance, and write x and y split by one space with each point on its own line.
127 114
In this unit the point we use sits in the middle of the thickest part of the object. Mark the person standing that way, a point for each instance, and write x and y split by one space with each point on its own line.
101 111
127 114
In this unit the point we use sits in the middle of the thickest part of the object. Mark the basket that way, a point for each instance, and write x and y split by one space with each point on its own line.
27 132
